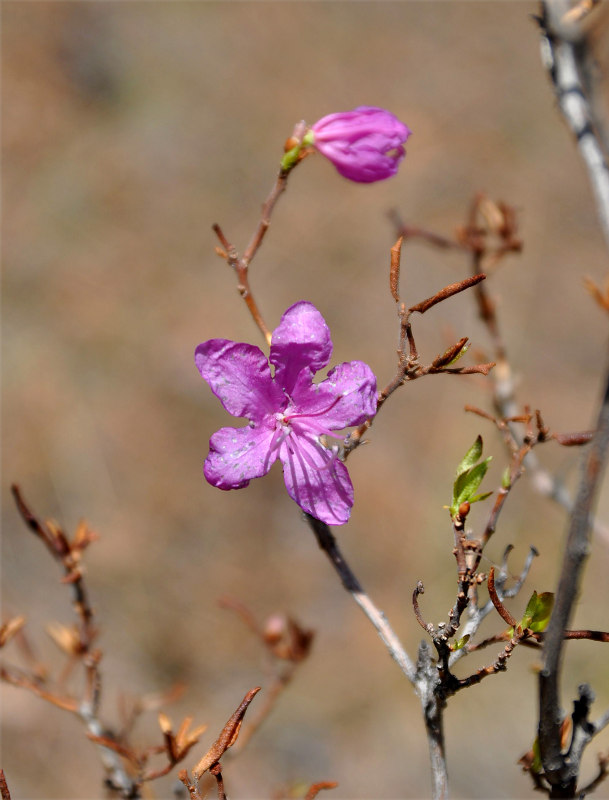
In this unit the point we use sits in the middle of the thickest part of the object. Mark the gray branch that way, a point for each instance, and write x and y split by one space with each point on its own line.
564 52
559 768
563 55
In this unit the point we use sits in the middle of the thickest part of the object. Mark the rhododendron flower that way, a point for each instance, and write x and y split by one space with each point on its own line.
365 145
288 413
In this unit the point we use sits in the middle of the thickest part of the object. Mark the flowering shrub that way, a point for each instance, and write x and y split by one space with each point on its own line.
287 412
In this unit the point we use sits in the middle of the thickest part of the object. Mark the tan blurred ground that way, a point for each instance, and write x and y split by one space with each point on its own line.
128 129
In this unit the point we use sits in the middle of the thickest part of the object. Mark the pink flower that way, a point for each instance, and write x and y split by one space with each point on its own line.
287 412
365 145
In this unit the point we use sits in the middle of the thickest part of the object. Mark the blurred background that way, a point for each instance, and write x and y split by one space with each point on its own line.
128 130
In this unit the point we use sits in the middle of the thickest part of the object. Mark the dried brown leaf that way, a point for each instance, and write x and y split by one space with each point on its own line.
227 737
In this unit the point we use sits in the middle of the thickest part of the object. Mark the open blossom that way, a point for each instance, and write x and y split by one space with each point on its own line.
288 413
365 145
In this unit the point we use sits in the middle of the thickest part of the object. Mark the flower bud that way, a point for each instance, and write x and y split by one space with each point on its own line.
365 145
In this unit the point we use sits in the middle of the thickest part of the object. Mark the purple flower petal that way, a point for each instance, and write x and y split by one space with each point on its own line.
236 455
301 341
346 397
239 375
316 480
364 165
288 413
365 144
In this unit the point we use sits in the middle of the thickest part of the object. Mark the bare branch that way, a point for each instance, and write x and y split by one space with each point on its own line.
327 542
559 770
562 59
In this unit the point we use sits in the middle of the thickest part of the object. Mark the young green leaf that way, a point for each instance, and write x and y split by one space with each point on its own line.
538 611
478 497
460 643
536 766
471 457
468 482
543 611
529 611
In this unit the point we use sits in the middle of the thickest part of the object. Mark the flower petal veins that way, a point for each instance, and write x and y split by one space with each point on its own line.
288 413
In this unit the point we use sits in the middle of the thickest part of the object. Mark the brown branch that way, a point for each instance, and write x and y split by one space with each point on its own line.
25 682
241 264
278 189
408 359
192 789
420 589
487 220
216 771
499 665
243 285
122 750
68 554
409 232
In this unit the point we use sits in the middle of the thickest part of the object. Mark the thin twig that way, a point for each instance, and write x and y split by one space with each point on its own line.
86 708
241 264
241 270
327 542
471 240
477 614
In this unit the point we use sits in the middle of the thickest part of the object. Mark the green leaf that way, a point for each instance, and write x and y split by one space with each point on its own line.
529 611
468 478
543 612
460 643
536 766
538 611
468 482
506 479
471 457
478 497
